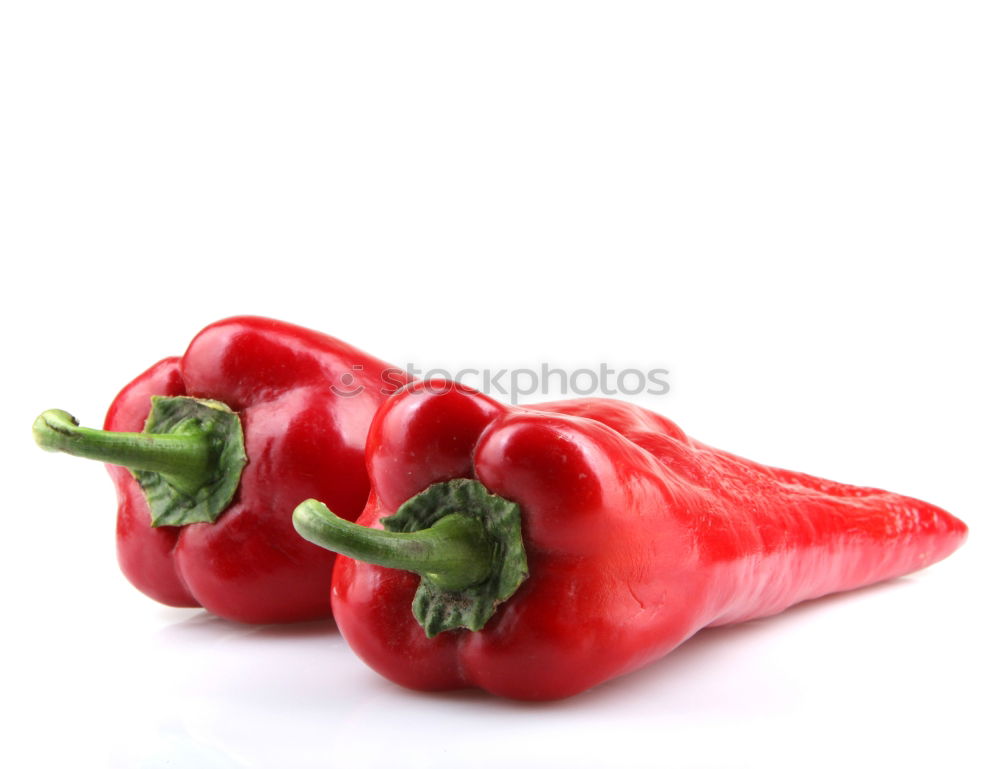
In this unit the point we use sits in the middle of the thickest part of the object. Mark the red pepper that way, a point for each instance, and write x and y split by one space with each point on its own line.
632 538
214 448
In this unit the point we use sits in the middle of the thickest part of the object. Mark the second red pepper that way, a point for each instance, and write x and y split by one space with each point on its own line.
536 552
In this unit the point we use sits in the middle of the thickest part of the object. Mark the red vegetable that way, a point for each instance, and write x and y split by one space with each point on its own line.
241 428
632 537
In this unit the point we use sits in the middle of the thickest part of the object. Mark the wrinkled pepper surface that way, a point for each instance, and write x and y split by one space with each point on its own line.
210 451
536 552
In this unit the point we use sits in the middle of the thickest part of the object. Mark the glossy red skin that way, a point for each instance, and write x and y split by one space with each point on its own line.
637 537
302 441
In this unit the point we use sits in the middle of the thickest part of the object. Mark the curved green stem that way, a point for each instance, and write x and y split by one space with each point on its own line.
463 541
186 456
453 554
188 459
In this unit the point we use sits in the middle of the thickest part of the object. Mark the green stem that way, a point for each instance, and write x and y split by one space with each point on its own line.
453 554
185 457
463 541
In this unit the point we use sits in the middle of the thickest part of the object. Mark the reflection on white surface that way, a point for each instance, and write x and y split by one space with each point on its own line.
203 692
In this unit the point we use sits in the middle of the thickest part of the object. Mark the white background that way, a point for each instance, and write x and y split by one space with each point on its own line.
791 206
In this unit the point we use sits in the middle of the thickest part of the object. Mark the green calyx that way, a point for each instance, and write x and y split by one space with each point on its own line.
188 459
464 542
